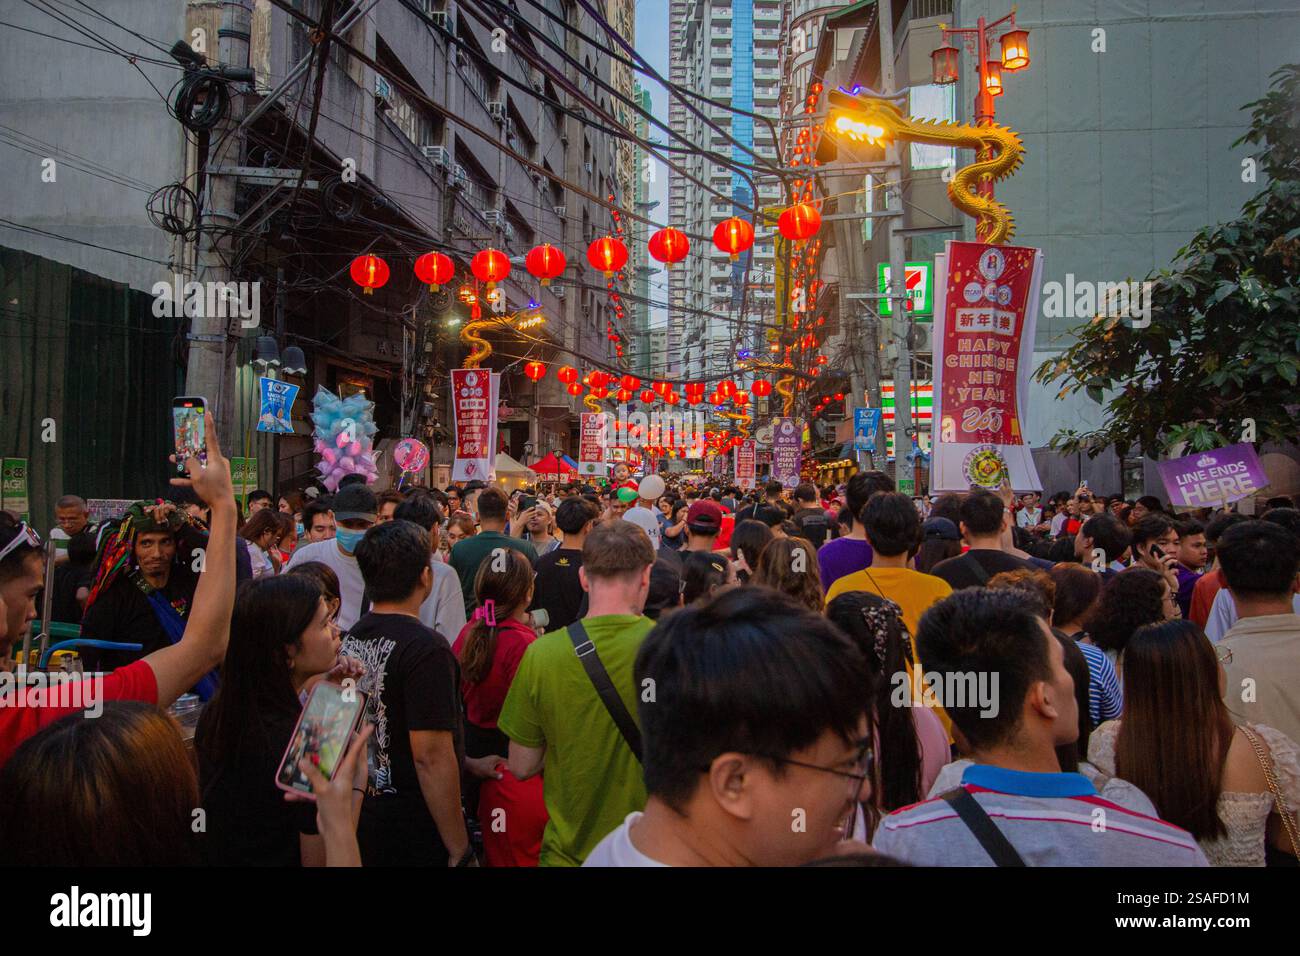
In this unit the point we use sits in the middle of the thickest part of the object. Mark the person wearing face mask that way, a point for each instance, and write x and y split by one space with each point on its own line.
355 509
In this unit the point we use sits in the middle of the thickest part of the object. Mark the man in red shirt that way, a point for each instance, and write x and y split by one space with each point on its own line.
158 678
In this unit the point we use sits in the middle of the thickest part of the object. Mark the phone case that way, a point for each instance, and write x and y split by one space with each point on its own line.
360 709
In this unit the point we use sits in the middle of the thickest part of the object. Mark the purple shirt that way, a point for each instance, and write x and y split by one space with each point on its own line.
1187 579
840 557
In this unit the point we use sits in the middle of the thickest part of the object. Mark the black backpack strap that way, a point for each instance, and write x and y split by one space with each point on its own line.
995 844
600 679
981 573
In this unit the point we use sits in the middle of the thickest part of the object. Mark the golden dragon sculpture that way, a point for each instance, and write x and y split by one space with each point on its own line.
480 348
999 152
784 385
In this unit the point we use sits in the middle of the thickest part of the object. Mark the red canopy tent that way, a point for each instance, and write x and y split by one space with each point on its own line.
552 467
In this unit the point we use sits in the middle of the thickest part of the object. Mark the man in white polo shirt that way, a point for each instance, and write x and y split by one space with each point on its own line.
645 512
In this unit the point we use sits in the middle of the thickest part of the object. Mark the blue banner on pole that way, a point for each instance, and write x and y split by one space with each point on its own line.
866 422
277 405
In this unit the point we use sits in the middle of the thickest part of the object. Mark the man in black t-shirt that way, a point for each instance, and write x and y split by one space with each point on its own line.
984 518
809 516
411 815
556 588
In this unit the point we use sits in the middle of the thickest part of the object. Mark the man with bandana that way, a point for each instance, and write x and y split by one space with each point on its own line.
146 573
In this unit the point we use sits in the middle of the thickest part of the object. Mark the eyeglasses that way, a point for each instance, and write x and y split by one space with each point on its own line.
24 536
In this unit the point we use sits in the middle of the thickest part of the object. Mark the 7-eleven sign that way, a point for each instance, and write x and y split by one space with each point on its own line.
919 278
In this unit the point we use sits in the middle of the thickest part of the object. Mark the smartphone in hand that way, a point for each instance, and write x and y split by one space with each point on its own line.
189 428
324 729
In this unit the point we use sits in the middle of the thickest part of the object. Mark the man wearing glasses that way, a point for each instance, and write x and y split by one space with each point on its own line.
725 788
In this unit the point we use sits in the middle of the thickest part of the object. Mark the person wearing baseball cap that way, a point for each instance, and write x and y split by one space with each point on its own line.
644 513
356 509
703 525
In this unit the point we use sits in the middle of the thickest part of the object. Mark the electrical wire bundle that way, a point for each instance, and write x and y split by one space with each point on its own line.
174 209
202 101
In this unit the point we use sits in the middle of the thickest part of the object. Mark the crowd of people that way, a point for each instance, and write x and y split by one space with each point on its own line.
665 671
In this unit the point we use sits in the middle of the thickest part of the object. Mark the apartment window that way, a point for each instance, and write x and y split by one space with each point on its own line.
868 204
933 101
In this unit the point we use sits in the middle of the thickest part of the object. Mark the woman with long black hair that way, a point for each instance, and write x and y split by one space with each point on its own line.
282 635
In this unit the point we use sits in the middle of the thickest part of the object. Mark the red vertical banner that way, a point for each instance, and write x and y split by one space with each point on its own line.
474 404
593 436
746 465
988 309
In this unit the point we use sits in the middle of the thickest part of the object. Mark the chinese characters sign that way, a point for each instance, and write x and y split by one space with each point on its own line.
474 400
745 466
591 443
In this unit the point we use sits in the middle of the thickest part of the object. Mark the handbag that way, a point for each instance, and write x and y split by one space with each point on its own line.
1266 761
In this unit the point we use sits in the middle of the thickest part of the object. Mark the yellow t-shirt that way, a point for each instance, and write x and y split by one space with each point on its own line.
912 591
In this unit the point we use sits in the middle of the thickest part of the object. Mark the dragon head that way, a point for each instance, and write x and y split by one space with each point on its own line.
864 118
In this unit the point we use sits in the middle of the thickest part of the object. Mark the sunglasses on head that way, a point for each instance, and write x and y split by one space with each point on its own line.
24 535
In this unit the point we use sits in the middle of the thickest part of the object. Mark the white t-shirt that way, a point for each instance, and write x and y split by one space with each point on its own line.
1223 614
351 585
1029 517
617 849
1058 522
444 608
647 519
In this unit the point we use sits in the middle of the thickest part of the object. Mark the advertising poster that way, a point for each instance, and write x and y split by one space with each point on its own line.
593 436
746 464
276 413
787 451
986 309
866 422
13 490
107 509
1212 479
474 404
243 475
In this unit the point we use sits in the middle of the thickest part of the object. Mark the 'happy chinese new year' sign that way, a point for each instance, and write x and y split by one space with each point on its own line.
474 400
986 309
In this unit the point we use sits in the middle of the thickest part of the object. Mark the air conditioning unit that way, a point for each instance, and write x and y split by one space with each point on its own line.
922 337
536 80
498 110
459 178
586 167
558 291
383 93
561 211
494 217
438 155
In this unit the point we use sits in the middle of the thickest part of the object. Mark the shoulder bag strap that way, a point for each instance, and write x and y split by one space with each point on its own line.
600 679
981 573
995 844
1266 761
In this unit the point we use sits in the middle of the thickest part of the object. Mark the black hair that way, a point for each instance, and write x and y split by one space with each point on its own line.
259 494
1128 600
701 572
862 486
1151 528
392 556
573 514
773 488
947 506
311 510
749 538
892 523
1259 558
420 510
1288 518
1077 591
347 480
1108 533
750 672
12 565
1151 503
806 491
665 588
1220 523
769 515
980 631
492 504
982 513
1070 755
1188 527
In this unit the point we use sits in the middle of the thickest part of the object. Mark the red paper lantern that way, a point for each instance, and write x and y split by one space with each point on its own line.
839 396
568 375
694 398
575 389
600 392
545 262
669 245
370 272
733 236
662 388
535 370
799 222
490 266
672 398
623 395
434 269
630 383
762 388
741 398
599 379
607 254
647 396
727 388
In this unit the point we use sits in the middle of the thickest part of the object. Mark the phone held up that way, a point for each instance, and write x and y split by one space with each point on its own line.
322 735
190 430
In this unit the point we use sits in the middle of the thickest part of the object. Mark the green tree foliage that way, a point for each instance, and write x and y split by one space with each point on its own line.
1223 342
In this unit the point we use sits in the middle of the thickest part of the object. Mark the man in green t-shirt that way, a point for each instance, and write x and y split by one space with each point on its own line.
468 554
554 716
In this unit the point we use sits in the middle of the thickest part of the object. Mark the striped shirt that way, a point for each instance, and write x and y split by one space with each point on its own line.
1052 819
1105 696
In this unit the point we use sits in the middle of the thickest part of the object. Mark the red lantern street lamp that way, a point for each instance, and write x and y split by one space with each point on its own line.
799 222
490 266
733 236
545 262
434 269
370 272
1015 50
535 371
574 389
568 375
608 255
761 388
993 77
668 246
943 65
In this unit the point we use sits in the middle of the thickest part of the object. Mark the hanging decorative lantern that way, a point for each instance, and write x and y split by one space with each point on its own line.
545 262
672 398
535 370
822 360
799 222
726 388
567 374
623 395
733 236
490 266
943 64
1015 50
839 396
661 388
648 396
434 269
630 383
574 389
993 78
370 272
669 245
741 398
599 379
608 255
761 388
694 399
600 391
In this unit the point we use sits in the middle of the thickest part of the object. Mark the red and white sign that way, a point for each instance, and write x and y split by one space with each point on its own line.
746 467
986 311
474 403
593 437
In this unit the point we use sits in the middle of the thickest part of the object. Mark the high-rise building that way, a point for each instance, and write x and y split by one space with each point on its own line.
728 52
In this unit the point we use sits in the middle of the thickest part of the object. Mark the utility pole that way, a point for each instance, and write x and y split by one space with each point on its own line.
902 318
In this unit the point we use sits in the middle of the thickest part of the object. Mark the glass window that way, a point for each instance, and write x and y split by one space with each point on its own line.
936 102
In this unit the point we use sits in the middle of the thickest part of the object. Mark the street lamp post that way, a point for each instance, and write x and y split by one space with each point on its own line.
1015 56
